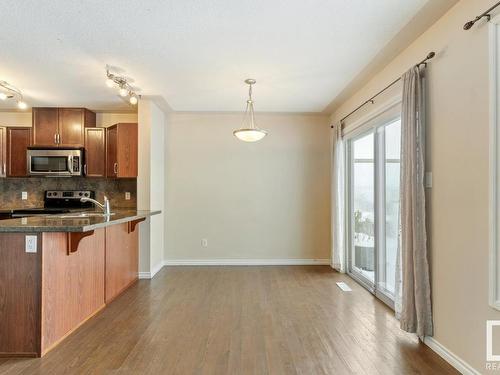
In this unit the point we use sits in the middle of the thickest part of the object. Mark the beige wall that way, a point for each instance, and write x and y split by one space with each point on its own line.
106 119
15 118
103 119
265 200
458 157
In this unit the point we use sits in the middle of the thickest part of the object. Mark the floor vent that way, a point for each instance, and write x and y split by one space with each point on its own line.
344 287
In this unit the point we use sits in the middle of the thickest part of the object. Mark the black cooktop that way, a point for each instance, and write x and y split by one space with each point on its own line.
56 202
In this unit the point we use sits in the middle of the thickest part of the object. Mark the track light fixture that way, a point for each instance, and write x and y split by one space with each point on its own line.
7 91
124 88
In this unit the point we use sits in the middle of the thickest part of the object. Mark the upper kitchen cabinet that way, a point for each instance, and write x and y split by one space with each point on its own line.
121 150
61 127
3 152
18 140
95 152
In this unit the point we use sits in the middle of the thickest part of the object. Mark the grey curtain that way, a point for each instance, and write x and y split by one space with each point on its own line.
413 291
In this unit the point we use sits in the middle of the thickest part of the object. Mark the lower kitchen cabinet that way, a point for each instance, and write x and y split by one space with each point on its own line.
122 259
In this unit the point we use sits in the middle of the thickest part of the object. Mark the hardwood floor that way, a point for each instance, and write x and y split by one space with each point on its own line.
239 320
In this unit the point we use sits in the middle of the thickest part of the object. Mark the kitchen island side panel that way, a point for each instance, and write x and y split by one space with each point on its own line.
73 285
20 296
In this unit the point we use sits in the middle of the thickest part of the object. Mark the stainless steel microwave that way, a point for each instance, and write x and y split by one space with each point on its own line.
55 162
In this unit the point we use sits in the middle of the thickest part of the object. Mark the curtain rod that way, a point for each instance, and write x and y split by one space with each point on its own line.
486 14
429 56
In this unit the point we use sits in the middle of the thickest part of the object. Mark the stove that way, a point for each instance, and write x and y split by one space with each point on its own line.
58 202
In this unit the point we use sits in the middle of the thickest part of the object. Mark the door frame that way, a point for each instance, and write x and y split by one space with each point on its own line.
374 124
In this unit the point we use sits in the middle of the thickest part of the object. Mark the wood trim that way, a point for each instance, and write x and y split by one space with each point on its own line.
132 224
74 239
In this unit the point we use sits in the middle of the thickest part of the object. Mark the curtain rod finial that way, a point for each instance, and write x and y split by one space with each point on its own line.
431 55
468 25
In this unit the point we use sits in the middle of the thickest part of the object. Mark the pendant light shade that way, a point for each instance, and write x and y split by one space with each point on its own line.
249 132
250 135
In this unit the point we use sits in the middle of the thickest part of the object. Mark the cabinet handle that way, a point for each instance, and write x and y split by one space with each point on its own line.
4 169
85 169
115 168
58 138
55 138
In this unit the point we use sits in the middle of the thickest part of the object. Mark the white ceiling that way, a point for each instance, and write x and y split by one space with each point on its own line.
195 54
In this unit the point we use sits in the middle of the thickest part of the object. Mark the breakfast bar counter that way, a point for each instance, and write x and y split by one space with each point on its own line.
57 271
71 222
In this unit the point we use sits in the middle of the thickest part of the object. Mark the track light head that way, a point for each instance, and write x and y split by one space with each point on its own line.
123 91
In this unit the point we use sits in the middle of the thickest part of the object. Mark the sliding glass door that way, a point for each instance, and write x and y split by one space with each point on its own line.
373 208
363 207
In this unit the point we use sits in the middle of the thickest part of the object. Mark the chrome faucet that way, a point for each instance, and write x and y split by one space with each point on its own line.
106 209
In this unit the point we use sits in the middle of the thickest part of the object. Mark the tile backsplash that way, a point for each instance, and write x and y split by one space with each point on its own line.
12 188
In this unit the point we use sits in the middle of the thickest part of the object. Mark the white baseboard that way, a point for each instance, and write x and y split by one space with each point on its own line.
144 275
450 357
246 262
153 272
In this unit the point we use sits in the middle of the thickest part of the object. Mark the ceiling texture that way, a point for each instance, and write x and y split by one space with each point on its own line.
194 55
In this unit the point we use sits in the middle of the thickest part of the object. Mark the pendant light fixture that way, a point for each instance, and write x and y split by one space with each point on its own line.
249 132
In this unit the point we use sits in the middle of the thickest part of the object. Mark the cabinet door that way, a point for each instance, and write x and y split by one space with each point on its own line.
127 150
95 152
18 140
111 150
45 125
3 152
122 259
71 124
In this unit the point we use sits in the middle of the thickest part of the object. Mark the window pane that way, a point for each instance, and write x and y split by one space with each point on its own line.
392 164
363 210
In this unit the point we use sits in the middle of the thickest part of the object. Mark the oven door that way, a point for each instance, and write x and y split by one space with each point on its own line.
62 163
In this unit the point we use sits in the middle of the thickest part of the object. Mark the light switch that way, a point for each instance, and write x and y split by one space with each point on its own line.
204 242
127 195
428 179
31 244
24 195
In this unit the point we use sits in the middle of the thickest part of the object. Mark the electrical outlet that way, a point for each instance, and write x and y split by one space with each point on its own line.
204 242
30 244
24 195
127 195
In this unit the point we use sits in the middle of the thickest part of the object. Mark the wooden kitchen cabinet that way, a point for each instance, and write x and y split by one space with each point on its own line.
18 140
122 259
3 151
121 150
61 127
95 152
45 127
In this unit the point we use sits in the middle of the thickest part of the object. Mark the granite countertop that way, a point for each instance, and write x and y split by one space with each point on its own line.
59 223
